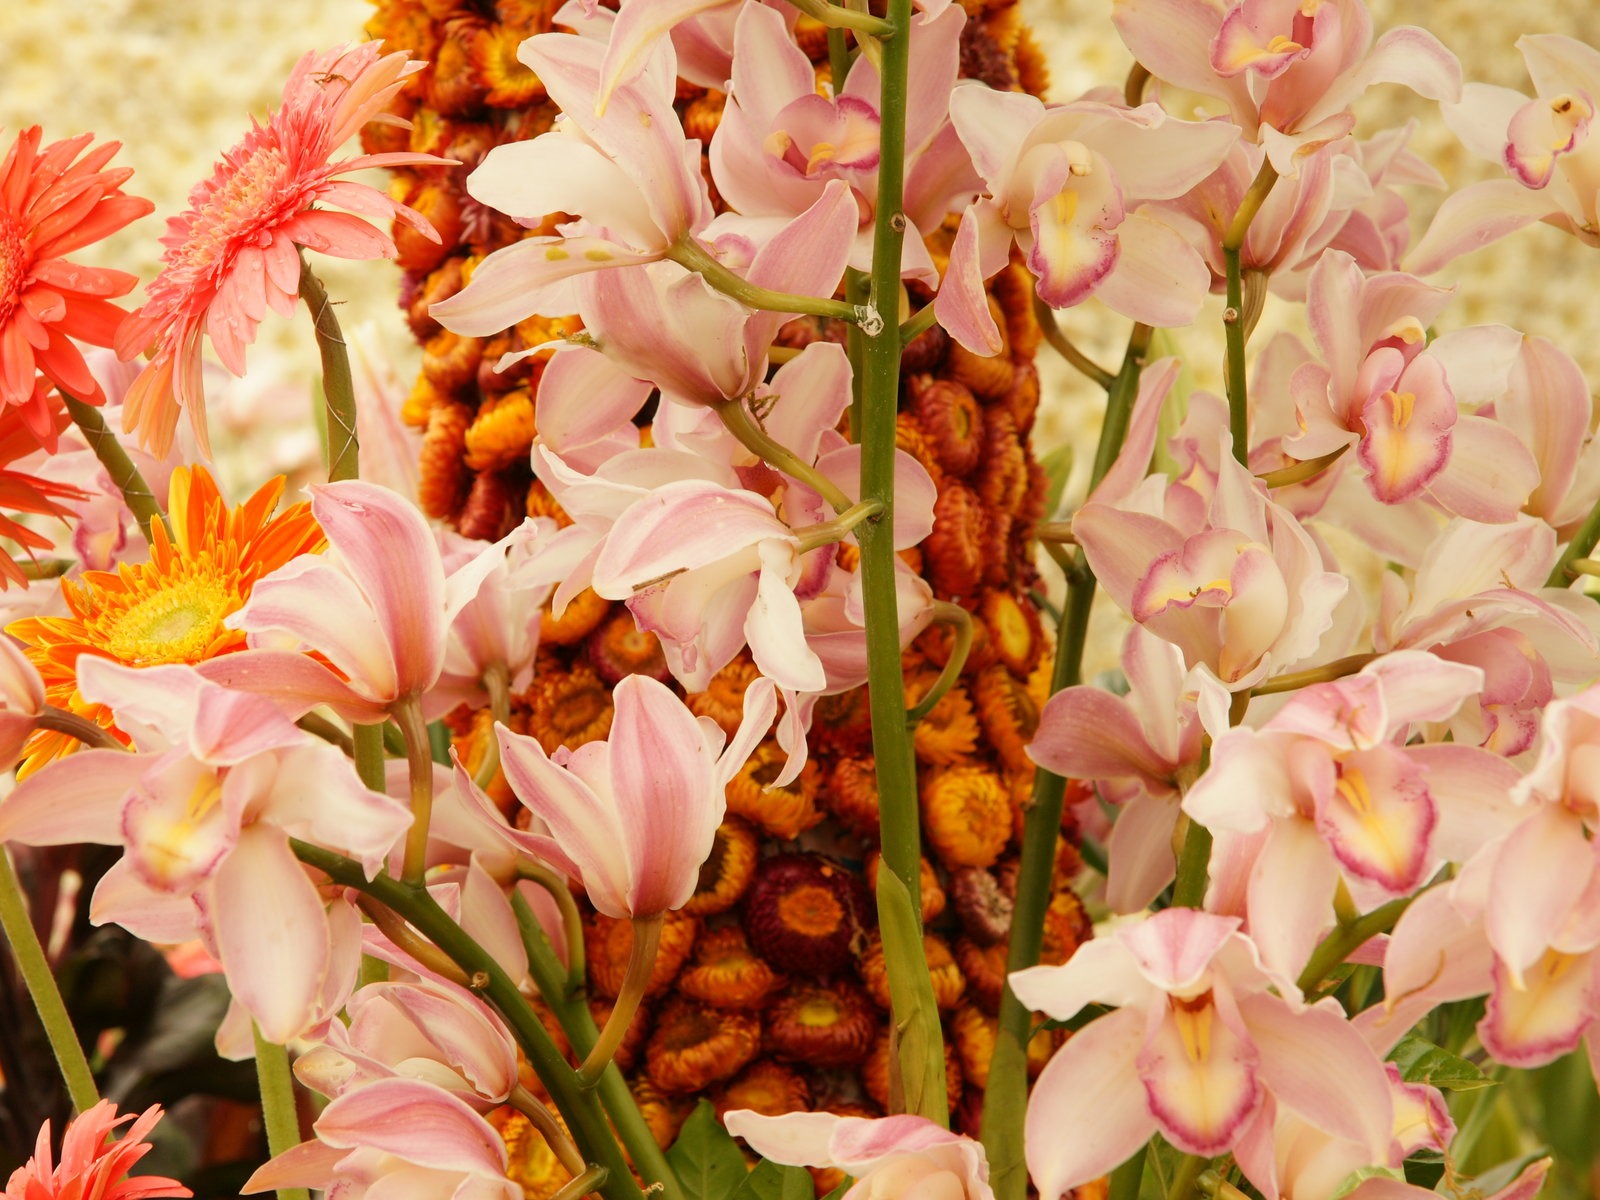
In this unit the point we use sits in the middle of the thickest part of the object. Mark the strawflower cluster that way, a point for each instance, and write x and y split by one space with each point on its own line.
699 803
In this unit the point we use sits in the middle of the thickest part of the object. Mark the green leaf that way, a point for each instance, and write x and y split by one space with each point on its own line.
1057 467
1420 1061
1356 1178
773 1181
705 1157
918 1040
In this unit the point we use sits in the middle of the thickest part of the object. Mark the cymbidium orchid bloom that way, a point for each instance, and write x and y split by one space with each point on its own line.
1543 143
629 177
1141 750
1201 1038
377 609
1329 791
204 812
1065 183
1285 71
888 1158
633 818
93 1166
396 1137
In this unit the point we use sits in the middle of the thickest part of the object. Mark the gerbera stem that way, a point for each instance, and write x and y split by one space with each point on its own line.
641 962
136 493
278 1112
578 1107
60 720
741 422
34 968
419 760
1006 1096
691 254
338 388
1235 327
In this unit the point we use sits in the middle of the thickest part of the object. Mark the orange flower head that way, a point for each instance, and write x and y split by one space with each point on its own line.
695 1045
92 1165
50 206
171 608
234 253
21 492
829 1024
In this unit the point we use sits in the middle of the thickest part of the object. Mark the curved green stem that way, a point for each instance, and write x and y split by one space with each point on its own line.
571 918
586 1181
923 320
1235 326
34 968
319 726
826 533
739 421
419 761
1347 938
641 962
61 720
1186 1177
838 59
338 389
689 253
961 620
394 927
1295 680
497 682
1062 345
1006 1096
543 1120
835 17
578 1107
278 1111
1584 566
136 493
1299 472
1189 890
1583 541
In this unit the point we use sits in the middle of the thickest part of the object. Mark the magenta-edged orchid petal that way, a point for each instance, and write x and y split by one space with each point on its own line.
534 275
1546 863
1407 440
1378 818
1089 1083
1290 895
276 955
663 775
1074 210
1316 1063
1474 217
1541 131
583 397
75 799
982 243
1547 1015
1199 1071
178 823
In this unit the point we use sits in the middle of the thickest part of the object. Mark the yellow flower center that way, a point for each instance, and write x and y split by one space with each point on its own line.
173 624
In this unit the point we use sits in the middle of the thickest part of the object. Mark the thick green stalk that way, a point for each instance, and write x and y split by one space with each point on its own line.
34 968
564 996
278 1112
1579 547
1006 1097
338 388
1349 937
1189 889
578 1107
1235 327
136 493
368 741
878 370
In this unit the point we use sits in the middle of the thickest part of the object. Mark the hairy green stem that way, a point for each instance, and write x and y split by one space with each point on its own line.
1005 1098
338 388
136 493
641 962
419 763
578 1107
689 253
278 1111
34 968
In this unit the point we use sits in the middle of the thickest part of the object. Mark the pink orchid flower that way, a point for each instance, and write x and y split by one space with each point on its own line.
395 1137
630 177
1197 1044
633 817
205 812
1065 183
1330 789
1544 145
1287 71
92 1163
1142 750
887 1158
377 607
428 1030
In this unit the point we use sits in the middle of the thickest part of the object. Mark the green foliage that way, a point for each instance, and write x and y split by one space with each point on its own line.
707 1160
770 1181
1420 1061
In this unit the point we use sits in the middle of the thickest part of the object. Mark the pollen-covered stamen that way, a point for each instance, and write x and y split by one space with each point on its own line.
175 622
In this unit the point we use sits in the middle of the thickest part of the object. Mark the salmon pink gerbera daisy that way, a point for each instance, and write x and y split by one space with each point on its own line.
51 205
21 492
170 609
233 254
92 1167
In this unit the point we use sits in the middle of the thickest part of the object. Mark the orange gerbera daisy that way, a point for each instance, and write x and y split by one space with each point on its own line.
171 608
49 207
233 254
20 492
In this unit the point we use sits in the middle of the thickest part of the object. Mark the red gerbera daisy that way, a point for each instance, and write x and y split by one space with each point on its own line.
21 492
50 206
91 1165
233 254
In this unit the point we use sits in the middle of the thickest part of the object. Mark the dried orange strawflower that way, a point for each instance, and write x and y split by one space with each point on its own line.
695 1045
728 870
726 972
784 812
966 812
824 1024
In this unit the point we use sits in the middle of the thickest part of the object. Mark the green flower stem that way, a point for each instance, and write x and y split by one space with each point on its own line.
419 761
961 621
1348 937
924 320
641 962
1579 547
367 741
497 682
1006 1096
1126 1179
1189 890
1295 680
588 1180
918 1062
46 568
338 389
61 720
136 493
826 533
1584 566
542 1119
394 927
1299 472
278 1111
1062 345
581 1111
838 58
34 968
689 253
739 421
1186 1178
1234 325
843 18
571 918
319 726
565 998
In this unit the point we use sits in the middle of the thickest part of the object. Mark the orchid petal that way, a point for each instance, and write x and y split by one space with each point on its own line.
1199 1072
75 799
